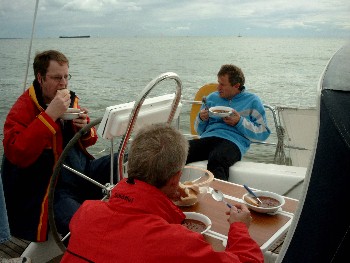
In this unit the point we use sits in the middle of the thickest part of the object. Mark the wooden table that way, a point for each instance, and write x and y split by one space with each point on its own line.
265 229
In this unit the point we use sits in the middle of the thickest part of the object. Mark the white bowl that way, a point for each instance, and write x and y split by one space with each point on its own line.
71 114
220 111
73 110
197 181
260 209
200 217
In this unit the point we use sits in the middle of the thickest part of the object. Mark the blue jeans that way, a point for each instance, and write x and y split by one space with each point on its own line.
72 190
4 224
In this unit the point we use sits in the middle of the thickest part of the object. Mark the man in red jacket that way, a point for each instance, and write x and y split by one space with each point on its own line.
140 223
34 138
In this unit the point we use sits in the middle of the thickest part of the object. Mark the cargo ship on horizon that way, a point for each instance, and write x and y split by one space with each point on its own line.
75 36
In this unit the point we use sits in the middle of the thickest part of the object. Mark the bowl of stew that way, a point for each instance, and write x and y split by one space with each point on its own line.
197 222
271 202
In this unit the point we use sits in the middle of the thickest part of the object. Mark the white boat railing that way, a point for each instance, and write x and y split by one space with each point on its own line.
289 143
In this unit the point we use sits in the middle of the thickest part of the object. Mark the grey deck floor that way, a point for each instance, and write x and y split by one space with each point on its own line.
15 247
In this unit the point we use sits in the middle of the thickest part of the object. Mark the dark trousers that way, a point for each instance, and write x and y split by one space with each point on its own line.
72 190
220 153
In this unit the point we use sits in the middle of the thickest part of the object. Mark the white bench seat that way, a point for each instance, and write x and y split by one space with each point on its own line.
281 179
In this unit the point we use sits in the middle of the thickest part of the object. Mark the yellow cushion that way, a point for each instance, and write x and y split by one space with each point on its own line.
203 91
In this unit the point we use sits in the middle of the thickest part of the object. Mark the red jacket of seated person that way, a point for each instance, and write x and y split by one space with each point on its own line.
140 224
33 142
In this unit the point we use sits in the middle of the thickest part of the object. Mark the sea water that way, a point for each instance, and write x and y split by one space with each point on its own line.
109 71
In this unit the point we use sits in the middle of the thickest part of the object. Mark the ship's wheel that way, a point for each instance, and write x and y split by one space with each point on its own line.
106 189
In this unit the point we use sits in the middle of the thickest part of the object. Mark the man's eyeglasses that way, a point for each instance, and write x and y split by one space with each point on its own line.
59 78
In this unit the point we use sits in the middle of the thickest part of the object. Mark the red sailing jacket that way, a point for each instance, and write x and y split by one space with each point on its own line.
32 145
140 224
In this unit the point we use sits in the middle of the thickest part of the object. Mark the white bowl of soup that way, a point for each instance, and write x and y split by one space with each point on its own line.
197 222
220 111
271 202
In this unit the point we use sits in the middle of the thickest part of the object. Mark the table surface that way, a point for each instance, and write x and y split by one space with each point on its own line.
265 229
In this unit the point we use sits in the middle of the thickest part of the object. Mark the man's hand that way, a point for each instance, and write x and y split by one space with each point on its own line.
59 104
232 119
204 115
239 213
81 122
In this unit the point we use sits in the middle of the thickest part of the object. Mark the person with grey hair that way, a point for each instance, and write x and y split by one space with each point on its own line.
141 223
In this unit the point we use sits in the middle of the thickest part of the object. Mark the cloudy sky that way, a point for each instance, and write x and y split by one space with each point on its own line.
109 18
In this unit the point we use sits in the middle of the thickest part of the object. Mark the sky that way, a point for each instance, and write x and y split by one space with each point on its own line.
118 18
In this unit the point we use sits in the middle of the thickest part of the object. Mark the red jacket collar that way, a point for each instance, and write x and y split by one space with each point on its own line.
145 198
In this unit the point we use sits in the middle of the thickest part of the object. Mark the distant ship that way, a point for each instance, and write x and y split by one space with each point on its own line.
74 36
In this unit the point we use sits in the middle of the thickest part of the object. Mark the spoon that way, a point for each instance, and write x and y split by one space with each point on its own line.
204 100
219 196
252 193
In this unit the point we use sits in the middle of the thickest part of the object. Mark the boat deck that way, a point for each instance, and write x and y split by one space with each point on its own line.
15 247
